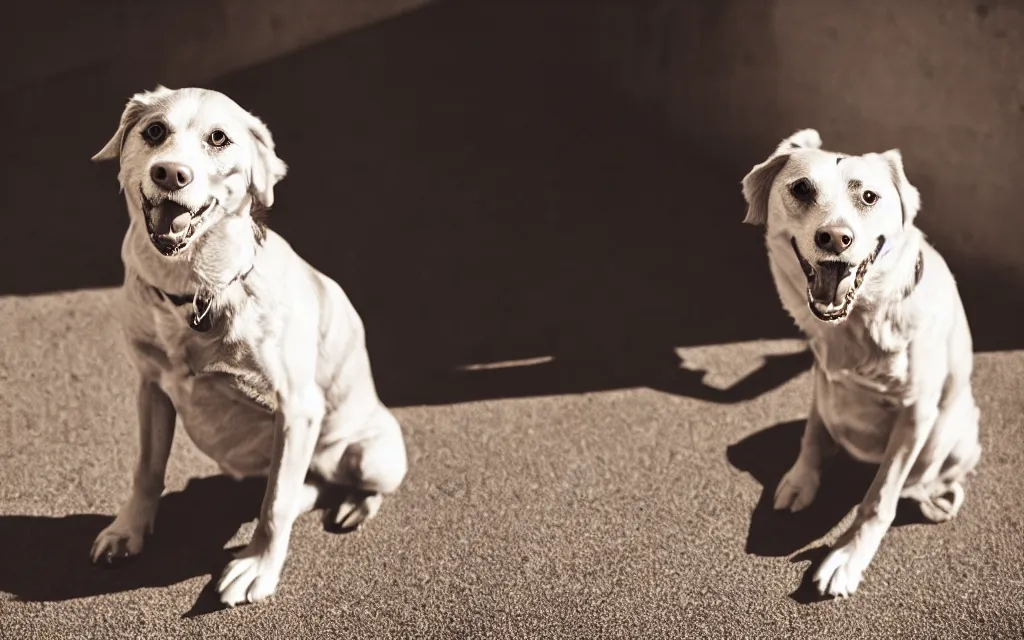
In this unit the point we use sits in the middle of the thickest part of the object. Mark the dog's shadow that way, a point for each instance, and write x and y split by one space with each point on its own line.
46 559
767 456
651 367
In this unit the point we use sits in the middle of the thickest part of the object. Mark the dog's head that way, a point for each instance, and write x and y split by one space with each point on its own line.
189 158
838 213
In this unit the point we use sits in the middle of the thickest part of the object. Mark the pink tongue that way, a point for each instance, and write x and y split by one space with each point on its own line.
826 287
181 222
168 217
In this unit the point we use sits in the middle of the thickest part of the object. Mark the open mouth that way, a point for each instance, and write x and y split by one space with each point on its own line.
171 225
832 285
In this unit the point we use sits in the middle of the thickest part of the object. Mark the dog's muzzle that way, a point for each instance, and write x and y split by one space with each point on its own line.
826 279
171 224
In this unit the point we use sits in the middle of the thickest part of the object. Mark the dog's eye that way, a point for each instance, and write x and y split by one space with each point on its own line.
218 138
802 190
869 197
155 132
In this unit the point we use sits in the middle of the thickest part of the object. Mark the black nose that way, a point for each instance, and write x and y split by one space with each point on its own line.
834 239
171 176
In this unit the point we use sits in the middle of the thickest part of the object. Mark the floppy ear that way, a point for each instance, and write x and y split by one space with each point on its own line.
266 169
802 139
910 197
757 185
133 111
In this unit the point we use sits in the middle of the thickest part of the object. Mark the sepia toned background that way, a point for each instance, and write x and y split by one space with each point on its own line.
535 207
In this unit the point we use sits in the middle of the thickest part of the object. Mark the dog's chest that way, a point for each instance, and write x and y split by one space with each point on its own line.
860 392
225 403
851 363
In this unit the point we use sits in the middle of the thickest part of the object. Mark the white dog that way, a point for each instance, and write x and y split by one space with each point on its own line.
892 347
262 356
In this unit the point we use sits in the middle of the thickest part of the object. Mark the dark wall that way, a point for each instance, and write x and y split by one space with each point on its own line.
188 42
498 181
943 80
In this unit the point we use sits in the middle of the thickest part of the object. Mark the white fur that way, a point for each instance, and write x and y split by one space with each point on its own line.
892 382
281 385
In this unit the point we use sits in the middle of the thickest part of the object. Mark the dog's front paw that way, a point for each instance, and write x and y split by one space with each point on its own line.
113 545
118 541
251 577
797 488
841 572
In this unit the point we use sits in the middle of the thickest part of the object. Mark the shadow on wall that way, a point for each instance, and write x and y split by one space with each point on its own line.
939 91
477 196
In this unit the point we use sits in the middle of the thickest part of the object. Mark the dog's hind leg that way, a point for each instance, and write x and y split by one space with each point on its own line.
370 468
940 497
356 509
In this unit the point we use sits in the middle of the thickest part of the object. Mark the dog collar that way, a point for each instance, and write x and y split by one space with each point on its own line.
918 270
918 265
201 319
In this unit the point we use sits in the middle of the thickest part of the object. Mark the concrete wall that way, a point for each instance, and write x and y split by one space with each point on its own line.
537 163
941 79
184 42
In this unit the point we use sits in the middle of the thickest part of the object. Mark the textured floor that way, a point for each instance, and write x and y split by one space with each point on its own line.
481 204
626 513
